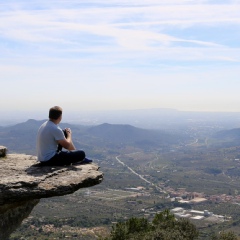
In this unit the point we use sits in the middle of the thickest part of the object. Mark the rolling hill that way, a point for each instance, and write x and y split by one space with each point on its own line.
226 138
130 135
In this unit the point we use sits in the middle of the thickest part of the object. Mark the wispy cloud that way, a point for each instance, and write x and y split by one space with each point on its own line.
125 25
125 42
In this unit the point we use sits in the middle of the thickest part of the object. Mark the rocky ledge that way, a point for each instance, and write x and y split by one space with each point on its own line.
23 182
22 178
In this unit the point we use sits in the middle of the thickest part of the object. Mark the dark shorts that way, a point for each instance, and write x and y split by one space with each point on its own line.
65 158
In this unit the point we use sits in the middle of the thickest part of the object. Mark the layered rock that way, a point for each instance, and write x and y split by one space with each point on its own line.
22 178
23 181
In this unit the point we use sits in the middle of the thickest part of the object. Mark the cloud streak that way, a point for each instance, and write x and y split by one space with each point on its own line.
117 22
120 43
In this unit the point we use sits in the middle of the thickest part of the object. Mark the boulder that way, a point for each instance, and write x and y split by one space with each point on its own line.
3 151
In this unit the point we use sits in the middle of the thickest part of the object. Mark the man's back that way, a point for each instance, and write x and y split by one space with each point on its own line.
48 135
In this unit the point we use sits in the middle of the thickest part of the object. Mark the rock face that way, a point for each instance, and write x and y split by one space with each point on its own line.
12 215
23 182
22 178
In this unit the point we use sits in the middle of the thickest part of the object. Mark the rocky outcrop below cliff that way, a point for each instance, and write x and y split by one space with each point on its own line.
12 215
23 181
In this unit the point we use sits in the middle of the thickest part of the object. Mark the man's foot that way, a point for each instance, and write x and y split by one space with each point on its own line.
86 160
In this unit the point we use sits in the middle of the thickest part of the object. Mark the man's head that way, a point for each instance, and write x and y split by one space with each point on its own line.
55 113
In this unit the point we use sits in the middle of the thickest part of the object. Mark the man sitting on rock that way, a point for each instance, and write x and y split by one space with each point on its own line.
50 136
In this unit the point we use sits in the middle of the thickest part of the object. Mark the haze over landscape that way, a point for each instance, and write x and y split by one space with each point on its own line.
190 166
101 55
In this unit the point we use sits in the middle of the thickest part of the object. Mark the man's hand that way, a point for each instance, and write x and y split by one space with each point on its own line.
67 142
68 132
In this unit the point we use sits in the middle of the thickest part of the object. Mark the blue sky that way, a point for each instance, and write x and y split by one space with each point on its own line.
100 55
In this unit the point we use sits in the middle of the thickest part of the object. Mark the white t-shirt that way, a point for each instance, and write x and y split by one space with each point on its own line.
48 135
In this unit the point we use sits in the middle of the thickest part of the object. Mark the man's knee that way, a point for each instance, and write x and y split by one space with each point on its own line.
82 154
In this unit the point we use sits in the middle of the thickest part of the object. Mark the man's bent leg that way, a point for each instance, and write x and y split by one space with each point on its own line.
65 158
73 156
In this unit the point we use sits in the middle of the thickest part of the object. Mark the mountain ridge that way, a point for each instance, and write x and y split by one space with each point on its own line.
22 136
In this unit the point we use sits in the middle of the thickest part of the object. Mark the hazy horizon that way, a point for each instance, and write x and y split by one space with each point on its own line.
138 117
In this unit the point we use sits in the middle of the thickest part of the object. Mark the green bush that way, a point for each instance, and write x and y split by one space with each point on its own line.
163 227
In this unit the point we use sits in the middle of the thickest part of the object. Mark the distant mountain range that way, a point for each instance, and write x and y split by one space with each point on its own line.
21 137
156 118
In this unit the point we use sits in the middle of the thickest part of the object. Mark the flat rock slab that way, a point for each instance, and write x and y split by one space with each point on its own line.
22 178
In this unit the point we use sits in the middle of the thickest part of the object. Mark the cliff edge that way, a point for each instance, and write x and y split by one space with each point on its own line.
22 178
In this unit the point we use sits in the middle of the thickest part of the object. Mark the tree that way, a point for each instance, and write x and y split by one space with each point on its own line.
163 227
124 230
